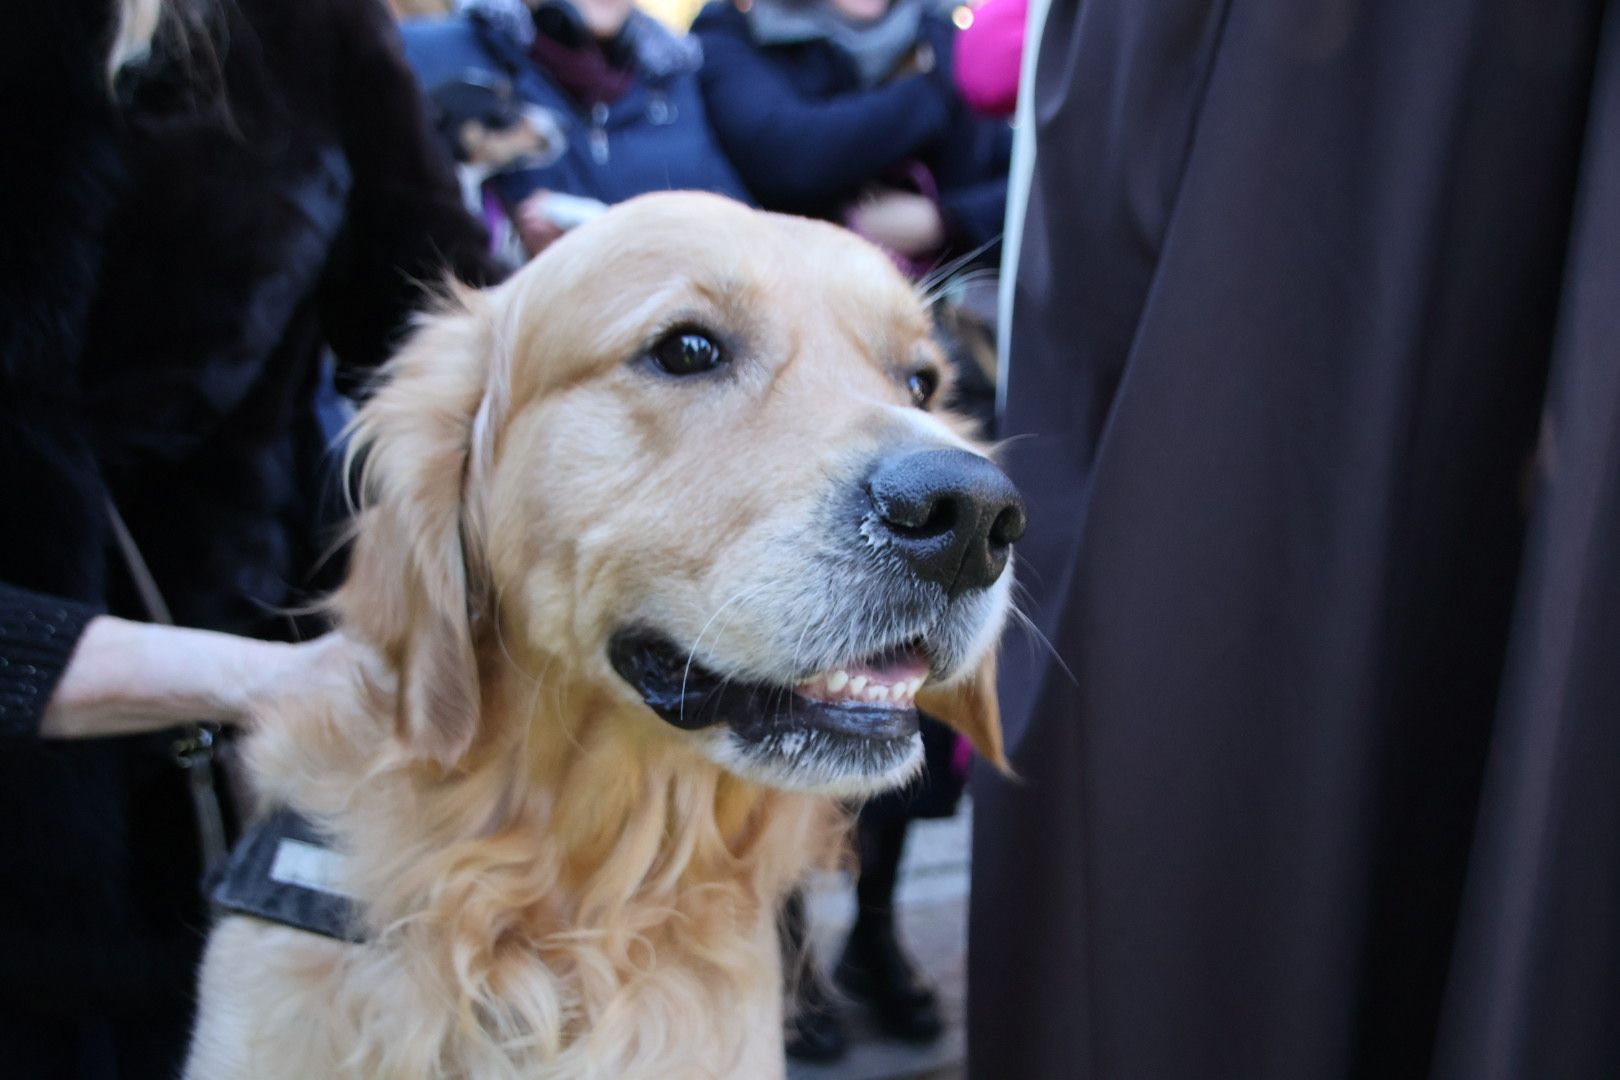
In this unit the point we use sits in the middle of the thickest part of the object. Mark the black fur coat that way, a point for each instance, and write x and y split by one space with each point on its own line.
177 255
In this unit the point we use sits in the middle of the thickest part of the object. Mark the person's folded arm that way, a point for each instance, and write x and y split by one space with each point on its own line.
791 150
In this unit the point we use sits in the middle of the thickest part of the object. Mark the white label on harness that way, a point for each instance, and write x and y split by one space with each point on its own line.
308 867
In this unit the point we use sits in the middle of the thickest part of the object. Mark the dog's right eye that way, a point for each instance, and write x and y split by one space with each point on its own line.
687 352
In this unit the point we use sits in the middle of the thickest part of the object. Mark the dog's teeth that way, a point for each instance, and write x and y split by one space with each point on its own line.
913 687
857 683
837 681
878 692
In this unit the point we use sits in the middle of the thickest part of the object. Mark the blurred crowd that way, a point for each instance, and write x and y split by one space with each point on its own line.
847 111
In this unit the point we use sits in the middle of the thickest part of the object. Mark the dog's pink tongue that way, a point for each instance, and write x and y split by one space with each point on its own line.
892 680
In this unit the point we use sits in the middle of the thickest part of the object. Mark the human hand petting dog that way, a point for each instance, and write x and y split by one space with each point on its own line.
544 216
901 221
131 677
534 225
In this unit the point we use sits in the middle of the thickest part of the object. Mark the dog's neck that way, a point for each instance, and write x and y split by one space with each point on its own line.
580 864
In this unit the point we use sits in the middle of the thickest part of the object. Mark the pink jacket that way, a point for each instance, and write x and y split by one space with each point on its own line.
988 54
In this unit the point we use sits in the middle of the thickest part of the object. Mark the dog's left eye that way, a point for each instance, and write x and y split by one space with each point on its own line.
687 352
922 383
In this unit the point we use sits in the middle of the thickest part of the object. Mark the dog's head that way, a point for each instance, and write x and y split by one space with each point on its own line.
692 456
482 123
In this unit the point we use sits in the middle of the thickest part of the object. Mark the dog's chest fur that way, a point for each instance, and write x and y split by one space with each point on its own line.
281 1003
616 920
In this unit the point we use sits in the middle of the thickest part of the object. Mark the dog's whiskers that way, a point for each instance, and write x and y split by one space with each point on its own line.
691 654
794 666
940 274
1033 631
1011 440
954 283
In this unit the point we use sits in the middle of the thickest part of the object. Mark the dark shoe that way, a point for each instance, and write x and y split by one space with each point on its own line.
815 1031
877 972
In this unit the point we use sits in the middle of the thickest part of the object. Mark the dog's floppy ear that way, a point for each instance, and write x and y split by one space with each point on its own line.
417 586
970 706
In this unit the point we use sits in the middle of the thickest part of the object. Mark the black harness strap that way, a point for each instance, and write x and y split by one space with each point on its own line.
282 871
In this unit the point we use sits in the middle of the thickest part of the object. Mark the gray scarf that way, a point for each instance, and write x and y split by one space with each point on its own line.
877 48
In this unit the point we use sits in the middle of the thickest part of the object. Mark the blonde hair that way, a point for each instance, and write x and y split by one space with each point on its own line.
135 24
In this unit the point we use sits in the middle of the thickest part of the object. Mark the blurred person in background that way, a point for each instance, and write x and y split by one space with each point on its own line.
486 129
846 110
1314 399
203 199
621 88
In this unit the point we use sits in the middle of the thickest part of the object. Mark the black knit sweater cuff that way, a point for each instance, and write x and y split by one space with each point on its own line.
37 638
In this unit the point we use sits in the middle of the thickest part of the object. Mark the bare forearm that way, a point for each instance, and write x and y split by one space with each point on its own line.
128 677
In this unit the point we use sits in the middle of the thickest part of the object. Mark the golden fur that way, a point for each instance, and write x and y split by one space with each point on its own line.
554 882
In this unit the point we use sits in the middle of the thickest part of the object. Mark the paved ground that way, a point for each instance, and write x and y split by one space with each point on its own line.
933 915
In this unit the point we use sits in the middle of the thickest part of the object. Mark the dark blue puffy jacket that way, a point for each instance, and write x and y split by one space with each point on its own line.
655 138
806 136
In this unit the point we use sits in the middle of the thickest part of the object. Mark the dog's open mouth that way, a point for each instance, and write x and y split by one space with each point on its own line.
870 699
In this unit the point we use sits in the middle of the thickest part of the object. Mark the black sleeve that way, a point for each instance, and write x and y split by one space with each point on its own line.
407 226
37 637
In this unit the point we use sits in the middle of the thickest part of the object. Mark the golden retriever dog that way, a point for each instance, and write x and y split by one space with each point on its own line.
661 541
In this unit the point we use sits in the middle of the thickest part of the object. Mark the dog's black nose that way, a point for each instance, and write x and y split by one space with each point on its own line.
951 513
